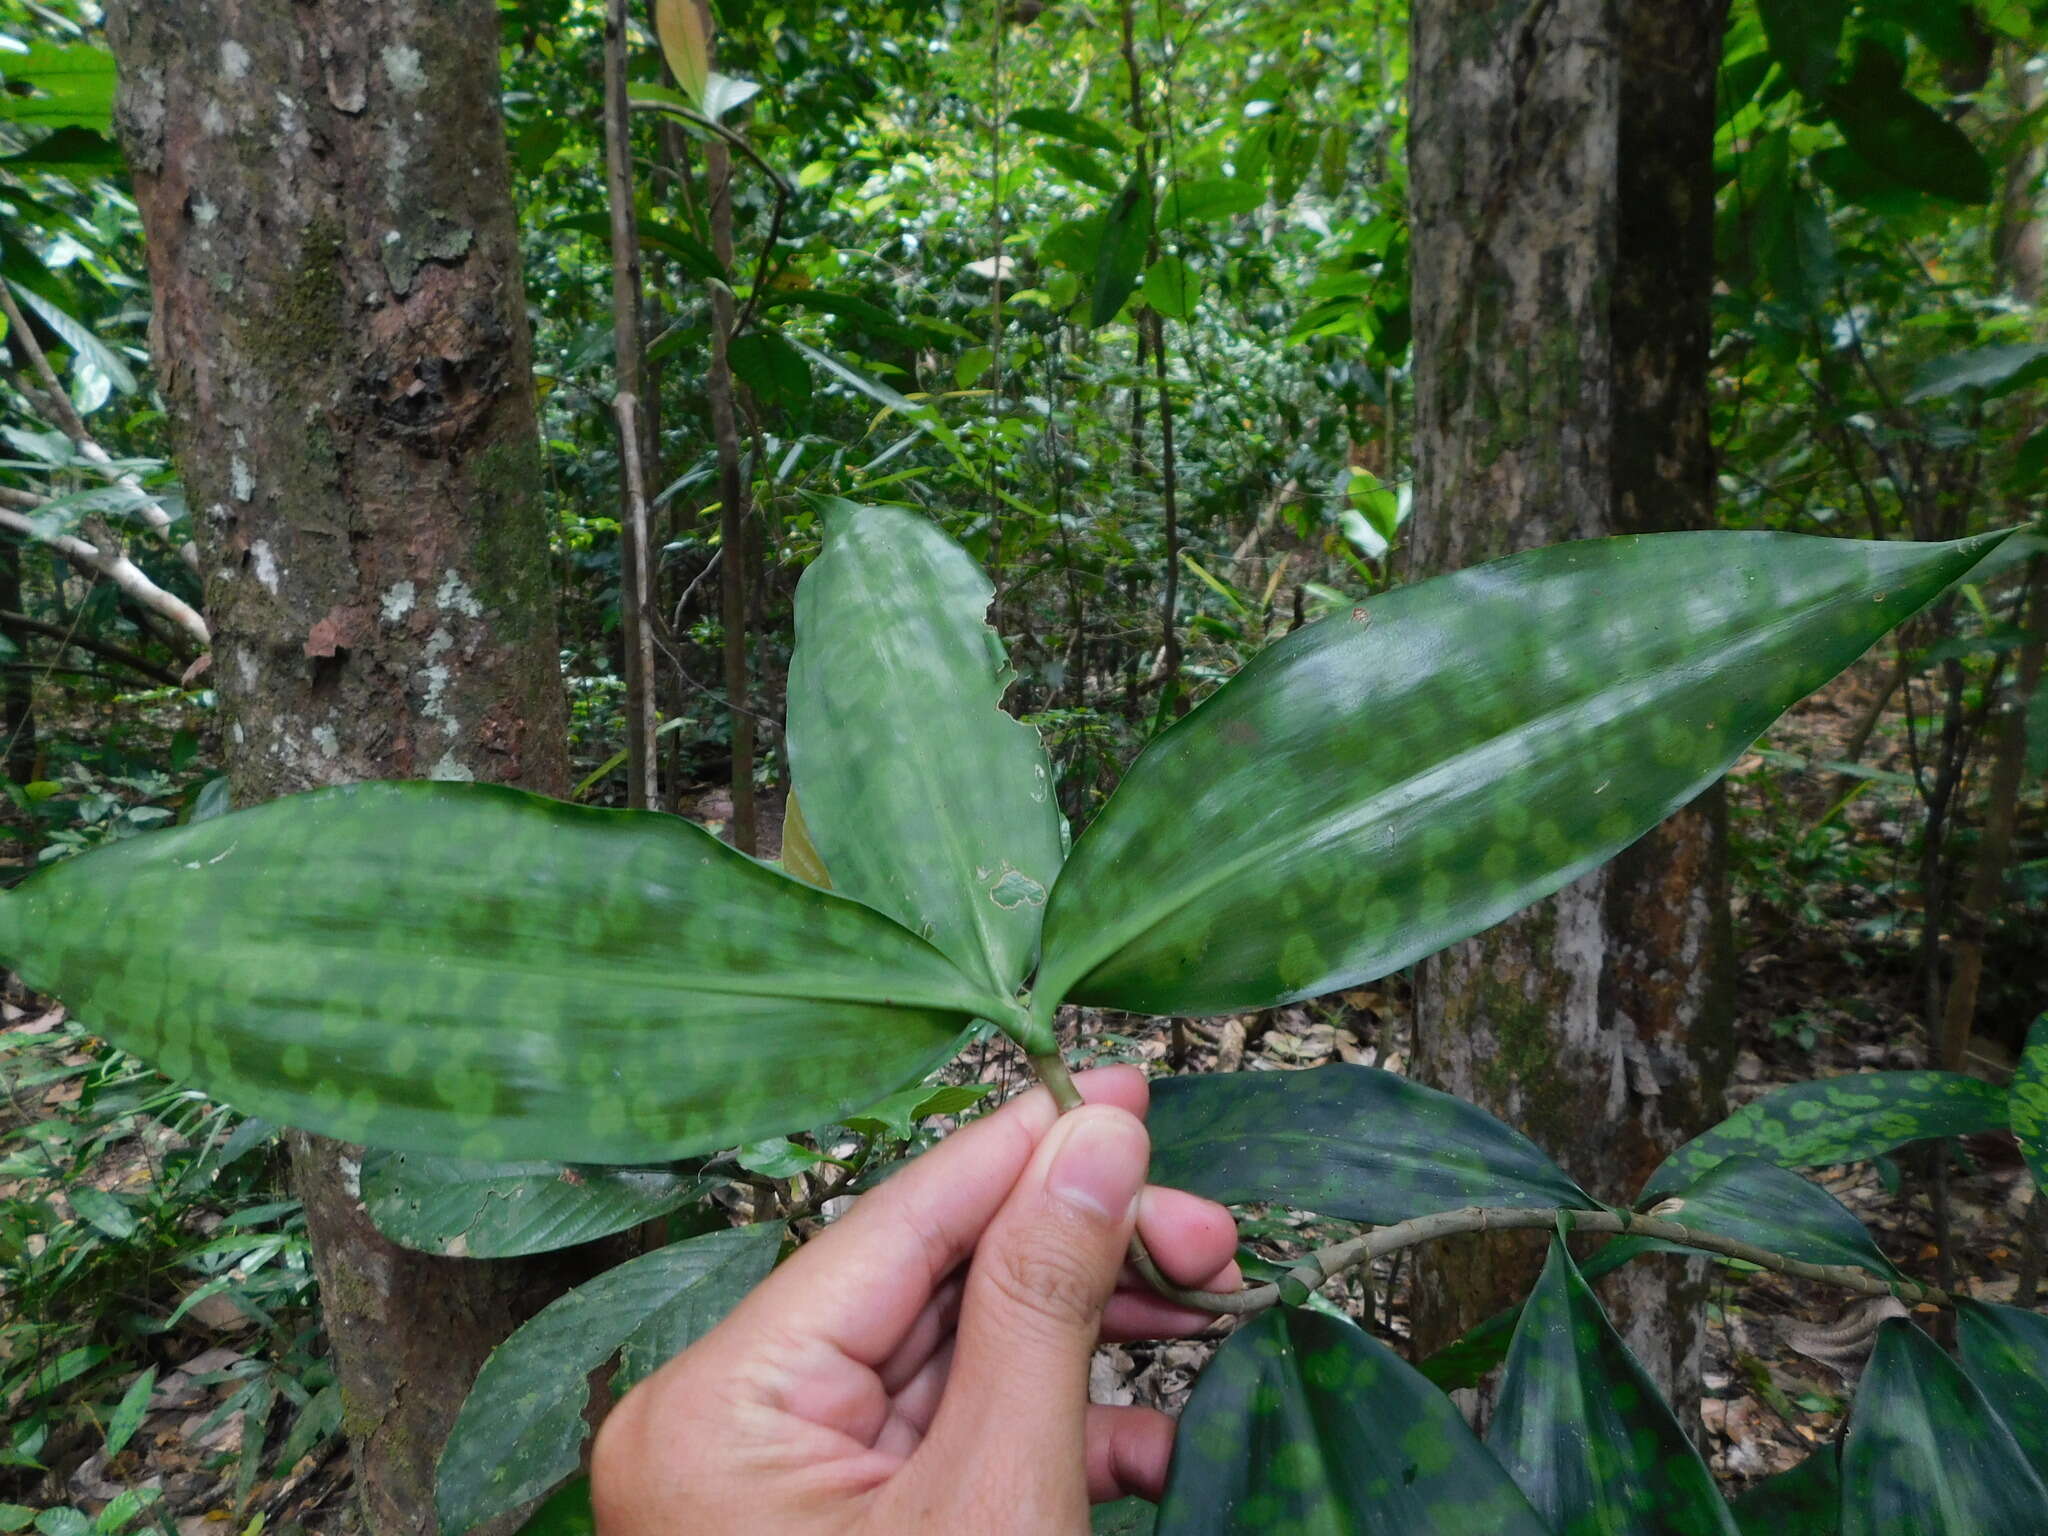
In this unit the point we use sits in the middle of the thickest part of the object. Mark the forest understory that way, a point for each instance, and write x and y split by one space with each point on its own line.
209 1292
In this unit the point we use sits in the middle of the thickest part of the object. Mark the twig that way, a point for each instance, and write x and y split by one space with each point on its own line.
120 570
149 509
110 651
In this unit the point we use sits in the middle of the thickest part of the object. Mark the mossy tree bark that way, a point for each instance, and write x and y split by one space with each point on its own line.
340 332
1561 198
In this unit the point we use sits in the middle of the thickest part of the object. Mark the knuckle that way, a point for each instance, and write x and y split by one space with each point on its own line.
1051 1281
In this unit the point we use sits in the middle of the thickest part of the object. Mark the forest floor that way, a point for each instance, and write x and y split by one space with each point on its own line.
1780 1354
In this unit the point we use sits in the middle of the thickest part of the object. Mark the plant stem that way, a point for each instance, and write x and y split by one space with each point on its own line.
1326 1263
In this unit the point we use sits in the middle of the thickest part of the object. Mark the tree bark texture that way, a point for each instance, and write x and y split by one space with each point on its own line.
1561 199
340 332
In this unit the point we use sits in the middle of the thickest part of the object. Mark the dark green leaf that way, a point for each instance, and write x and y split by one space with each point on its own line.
1216 197
1804 36
1903 136
1854 179
521 1429
1994 370
1071 126
1410 771
2029 1094
107 1213
1120 253
1126 1517
1926 1455
1758 1202
467 969
1845 1119
452 1206
1346 1141
1169 288
774 370
1583 1431
1079 164
128 1413
78 153
566 1512
1805 1501
2005 1352
1305 1424
688 252
778 1158
922 796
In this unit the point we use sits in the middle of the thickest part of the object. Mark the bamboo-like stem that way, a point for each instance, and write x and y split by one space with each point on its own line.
1326 1263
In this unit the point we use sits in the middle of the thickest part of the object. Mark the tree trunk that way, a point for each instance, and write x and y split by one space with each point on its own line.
1562 199
340 332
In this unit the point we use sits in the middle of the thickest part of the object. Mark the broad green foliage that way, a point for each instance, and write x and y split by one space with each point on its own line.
1583 1430
1927 1455
566 1512
2005 1352
924 799
1380 784
522 1429
471 970
465 1209
1347 1141
1802 1502
2029 1103
1308 1425
1838 1120
1774 1208
1126 1517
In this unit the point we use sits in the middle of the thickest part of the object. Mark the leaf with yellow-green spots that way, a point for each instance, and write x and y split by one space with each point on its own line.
1346 1141
469 970
922 797
2005 1352
1926 1455
1581 1427
2029 1103
1308 1425
521 1430
1843 1119
1757 1202
1392 779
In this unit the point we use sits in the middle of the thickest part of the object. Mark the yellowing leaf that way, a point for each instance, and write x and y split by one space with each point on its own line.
685 43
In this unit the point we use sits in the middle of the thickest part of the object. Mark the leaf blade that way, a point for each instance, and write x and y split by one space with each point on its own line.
1345 1141
1531 717
1307 1424
2027 1100
462 1208
463 968
1583 1431
922 796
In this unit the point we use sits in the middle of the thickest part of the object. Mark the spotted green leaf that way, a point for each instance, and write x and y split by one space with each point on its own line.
467 969
1772 1207
1345 1141
1837 1120
924 799
467 1209
2028 1101
1926 1454
521 1429
1805 1501
2005 1352
1399 776
1583 1430
1306 1424
1126 1517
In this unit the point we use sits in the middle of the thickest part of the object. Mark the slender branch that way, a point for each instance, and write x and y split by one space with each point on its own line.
117 568
1328 1262
105 648
149 509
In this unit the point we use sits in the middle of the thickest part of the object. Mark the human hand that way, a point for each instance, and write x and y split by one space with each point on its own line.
879 1383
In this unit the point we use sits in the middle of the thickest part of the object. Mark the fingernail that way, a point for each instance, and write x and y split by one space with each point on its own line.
1100 1166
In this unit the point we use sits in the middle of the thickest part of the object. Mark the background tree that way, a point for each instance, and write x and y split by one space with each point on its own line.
1561 176
342 337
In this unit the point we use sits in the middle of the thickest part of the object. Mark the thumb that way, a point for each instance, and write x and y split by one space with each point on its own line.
1043 1272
